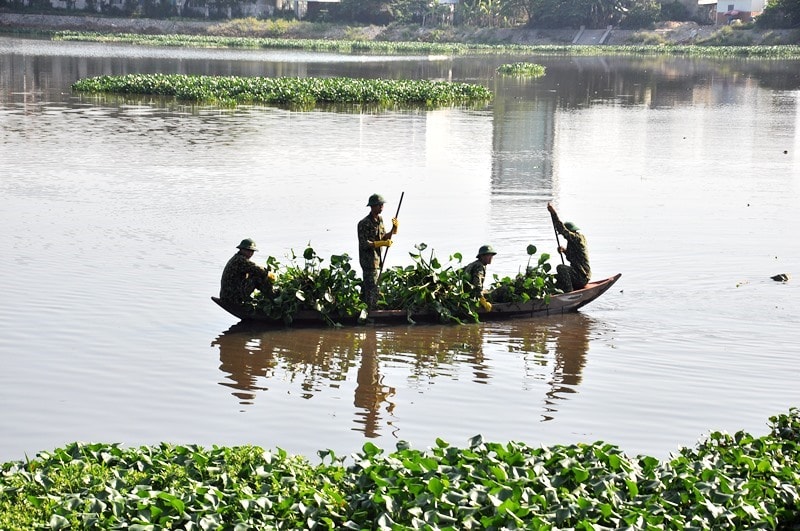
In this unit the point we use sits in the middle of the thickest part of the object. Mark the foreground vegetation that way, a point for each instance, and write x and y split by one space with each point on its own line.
737 481
287 90
415 47
427 286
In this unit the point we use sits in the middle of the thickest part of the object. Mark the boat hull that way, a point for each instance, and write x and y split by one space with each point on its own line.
560 303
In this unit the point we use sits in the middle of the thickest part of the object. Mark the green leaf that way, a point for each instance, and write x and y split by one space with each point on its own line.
499 473
58 522
580 474
633 488
435 486
370 450
173 501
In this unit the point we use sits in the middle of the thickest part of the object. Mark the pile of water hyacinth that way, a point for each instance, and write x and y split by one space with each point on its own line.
428 285
737 481
287 90
521 69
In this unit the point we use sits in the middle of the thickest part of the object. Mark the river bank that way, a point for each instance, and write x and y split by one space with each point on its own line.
664 33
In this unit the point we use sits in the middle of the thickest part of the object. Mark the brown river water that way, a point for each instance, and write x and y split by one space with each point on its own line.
117 216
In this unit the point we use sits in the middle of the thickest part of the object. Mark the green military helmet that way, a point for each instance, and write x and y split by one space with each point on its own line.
571 226
485 249
375 199
247 244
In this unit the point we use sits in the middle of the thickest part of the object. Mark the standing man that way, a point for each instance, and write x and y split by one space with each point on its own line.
241 276
577 274
476 274
371 238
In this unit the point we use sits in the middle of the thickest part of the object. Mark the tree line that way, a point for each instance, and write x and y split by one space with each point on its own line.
626 14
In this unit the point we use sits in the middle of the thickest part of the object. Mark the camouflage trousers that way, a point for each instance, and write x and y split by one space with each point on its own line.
247 287
567 279
369 289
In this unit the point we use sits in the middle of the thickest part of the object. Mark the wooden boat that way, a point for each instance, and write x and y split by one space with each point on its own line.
560 303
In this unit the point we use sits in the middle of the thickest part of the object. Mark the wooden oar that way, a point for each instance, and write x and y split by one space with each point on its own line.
383 256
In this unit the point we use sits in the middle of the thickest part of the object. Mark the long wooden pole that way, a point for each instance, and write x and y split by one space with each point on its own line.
558 243
383 256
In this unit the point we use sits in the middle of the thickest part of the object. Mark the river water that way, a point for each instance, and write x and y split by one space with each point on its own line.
117 217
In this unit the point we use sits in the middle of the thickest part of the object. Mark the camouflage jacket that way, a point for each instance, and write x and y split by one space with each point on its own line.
576 251
370 230
239 278
476 274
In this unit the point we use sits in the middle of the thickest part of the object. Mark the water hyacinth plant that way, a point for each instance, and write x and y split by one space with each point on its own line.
727 482
535 283
521 69
288 90
332 291
426 286
430 286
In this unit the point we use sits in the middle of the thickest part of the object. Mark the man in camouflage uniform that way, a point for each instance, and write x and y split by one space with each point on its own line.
476 274
577 274
241 276
371 238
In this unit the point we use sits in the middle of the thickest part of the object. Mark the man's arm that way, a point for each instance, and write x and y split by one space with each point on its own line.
382 234
364 236
253 268
388 235
560 228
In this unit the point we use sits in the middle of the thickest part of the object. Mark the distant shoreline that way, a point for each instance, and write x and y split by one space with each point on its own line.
668 32
11 21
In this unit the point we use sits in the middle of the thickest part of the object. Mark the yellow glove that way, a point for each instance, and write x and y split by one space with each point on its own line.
383 243
486 304
395 225
271 276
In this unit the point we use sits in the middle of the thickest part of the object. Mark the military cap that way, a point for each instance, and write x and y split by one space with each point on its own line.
485 249
248 244
375 199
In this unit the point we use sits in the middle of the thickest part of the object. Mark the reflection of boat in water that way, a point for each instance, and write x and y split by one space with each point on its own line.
382 367
559 304
249 356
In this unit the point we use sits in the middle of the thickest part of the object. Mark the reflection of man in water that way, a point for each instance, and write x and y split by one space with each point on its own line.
571 346
370 392
242 365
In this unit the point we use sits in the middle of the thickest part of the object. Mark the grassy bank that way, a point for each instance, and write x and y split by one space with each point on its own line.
727 481
416 47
